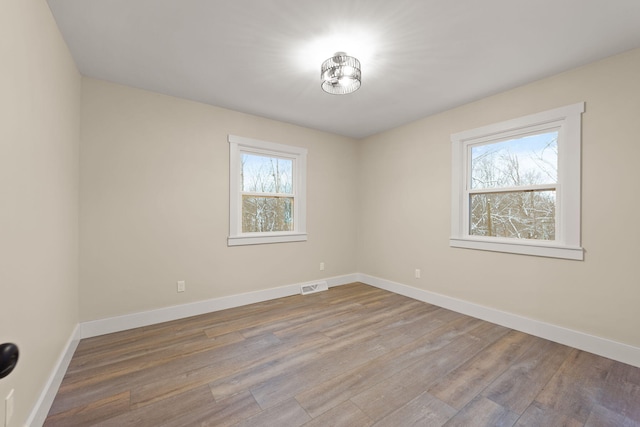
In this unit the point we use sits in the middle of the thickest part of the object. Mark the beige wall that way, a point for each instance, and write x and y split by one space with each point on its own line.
155 204
405 195
39 145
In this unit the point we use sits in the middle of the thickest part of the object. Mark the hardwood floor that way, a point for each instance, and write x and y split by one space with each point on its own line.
352 356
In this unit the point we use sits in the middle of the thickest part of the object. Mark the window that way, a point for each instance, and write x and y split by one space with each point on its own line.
266 192
516 185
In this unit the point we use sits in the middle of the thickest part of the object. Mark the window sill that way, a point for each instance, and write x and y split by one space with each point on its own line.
536 249
265 238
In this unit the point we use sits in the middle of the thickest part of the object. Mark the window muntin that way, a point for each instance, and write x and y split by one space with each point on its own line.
267 190
516 185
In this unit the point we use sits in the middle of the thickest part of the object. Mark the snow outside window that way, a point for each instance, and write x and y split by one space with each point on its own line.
266 192
516 185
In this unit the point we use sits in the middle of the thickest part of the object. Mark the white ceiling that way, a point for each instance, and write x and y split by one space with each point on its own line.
262 57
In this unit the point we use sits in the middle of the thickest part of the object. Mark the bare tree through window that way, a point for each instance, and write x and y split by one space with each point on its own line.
513 187
267 193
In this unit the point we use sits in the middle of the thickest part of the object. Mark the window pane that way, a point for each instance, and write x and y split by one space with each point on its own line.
528 160
265 174
261 214
518 214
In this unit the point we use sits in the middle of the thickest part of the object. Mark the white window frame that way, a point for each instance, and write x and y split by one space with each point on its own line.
239 145
568 121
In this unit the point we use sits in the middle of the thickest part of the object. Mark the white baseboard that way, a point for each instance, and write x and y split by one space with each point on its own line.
40 410
146 318
593 344
601 346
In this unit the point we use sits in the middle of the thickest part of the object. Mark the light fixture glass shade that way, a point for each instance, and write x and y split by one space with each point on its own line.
340 74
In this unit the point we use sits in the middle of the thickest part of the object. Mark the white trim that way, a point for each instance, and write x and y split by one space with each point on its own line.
298 155
514 125
537 249
146 318
567 120
267 146
263 239
42 406
601 346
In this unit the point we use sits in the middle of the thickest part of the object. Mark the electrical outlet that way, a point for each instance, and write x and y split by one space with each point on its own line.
182 286
8 408
322 266
417 273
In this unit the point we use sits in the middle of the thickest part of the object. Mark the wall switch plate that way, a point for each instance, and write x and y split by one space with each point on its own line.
322 266
8 408
417 273
182 286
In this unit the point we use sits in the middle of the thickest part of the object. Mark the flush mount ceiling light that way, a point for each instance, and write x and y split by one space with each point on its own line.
340 74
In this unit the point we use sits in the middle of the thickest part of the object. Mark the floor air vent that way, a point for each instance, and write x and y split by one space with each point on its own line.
311 288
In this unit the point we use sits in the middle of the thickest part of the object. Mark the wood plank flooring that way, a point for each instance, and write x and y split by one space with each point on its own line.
352 356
